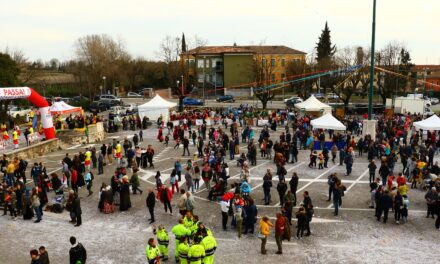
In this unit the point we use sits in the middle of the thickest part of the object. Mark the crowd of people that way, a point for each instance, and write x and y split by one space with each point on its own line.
232 140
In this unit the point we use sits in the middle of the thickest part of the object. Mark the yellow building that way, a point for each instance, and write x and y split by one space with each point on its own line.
232 66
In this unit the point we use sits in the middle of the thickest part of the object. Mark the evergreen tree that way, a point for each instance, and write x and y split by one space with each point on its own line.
9 72
324 47
183 43
325 53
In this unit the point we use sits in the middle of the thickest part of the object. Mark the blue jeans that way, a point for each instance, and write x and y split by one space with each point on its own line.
336 205
38 213
384 181
348 167
10 179
266 196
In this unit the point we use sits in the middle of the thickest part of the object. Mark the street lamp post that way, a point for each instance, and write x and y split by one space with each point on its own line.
179 86
103 78
183 90
373 40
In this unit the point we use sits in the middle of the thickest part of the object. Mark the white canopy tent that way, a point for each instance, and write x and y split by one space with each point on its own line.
431 123
62 108
327 121
313 105
156 107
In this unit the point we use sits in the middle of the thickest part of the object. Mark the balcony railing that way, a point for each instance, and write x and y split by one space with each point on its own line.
219 68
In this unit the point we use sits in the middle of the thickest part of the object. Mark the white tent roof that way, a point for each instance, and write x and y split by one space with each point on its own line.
313 104
431 123
155 108
327 121
63 108
158 102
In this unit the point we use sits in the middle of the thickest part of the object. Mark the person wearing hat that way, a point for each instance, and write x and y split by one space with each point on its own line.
152 252
196 252
163 240
210 245
180 231
182 250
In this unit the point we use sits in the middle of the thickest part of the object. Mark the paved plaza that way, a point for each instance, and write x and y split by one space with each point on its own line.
352 237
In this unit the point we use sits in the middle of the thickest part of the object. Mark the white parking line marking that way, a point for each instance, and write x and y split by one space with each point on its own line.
315 179
351 185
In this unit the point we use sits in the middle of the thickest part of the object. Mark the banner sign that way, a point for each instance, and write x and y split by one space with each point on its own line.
199 122
14 92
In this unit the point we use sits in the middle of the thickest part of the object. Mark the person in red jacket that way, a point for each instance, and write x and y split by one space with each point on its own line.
401 180
74 179
164 195
279 232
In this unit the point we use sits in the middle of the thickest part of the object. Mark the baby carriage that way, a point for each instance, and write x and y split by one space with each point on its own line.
58 203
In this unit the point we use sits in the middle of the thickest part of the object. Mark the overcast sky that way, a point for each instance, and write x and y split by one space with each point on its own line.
48 28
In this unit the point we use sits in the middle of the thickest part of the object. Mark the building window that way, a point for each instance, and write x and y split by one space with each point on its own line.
191 62
200 77
263 61
272 62
283 62
200 64
273 77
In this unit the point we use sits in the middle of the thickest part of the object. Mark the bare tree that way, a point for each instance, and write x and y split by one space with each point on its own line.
169 52
262 73
391 58
100 56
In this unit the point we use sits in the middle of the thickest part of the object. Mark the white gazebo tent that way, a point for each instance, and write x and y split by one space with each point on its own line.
431 123
61 108
327 121
314 105
156 107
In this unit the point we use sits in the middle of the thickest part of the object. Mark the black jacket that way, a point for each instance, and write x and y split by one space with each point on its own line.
78 253
386 202
151 200
76 206
293 183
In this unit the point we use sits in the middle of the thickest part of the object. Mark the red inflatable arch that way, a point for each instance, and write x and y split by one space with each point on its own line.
36 99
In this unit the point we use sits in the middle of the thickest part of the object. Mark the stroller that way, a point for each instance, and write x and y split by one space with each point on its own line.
58 203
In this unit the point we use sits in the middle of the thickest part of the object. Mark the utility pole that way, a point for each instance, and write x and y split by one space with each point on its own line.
373 41
283 87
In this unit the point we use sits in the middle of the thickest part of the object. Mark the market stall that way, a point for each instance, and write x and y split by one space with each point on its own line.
155 108
314 107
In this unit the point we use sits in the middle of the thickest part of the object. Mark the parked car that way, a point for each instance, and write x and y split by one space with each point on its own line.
148 92
110 103
292 102
97 107
332 96
434 100
192 101
78 98
428 112
108 97
117 110
133 94
130 108
16 111
319 95
293 98
225 98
